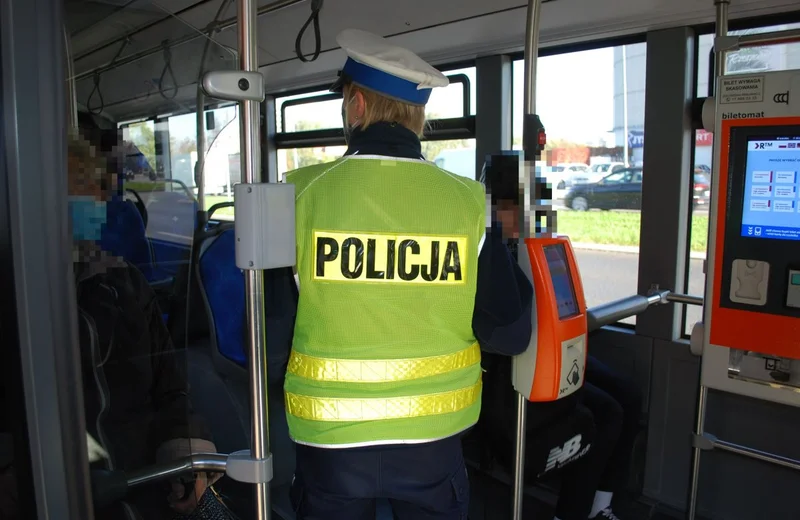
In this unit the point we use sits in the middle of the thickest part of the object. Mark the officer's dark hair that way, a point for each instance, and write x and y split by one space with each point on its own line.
500 176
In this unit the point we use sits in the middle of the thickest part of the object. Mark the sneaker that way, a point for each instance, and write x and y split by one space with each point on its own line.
606 514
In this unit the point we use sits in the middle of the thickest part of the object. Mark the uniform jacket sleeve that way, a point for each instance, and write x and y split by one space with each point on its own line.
503 302
280 302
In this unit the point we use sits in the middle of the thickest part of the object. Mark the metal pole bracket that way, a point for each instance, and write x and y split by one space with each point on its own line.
703 441
242 467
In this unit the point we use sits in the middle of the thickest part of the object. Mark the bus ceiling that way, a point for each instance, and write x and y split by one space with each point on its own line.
141 58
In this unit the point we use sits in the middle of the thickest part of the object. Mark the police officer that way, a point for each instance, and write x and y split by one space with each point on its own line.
399 289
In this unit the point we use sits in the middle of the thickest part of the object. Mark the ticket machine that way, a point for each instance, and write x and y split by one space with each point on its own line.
749 339
751 327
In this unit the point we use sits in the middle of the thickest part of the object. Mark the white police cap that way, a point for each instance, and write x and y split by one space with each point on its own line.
373 63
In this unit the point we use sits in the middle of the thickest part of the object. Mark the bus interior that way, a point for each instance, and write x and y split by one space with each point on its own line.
608 73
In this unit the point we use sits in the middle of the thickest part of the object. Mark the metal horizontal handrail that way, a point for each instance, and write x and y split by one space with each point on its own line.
687 299
197 462
612 312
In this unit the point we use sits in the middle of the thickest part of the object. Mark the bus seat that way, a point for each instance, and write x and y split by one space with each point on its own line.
124 236
188 321
139 203
222 287
172 221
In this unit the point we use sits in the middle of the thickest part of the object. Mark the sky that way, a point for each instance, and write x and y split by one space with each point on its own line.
575 99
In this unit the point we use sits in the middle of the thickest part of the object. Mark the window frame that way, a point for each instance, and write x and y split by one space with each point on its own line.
756 22
436 130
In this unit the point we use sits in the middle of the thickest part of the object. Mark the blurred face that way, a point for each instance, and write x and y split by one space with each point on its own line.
88 187
508 217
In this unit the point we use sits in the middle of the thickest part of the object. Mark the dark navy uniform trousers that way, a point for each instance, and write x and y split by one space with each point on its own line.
421 481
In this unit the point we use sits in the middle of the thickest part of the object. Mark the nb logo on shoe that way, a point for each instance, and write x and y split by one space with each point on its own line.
562 455
389 258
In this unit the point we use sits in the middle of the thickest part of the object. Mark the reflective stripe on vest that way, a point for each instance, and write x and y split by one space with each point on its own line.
380 370
344 409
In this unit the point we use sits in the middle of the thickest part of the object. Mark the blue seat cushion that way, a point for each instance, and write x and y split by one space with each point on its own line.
223 284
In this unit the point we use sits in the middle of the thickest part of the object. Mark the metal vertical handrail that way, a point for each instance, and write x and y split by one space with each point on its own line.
531 54
720 59
249 121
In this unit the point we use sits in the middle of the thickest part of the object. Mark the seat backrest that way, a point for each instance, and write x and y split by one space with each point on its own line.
171 214
124 235
222 285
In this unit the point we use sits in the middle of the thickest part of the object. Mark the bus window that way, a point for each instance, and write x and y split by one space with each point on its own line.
317 111
455 156
139 148
292 158
221 163
606 242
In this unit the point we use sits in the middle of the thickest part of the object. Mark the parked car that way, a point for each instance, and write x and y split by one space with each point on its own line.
565 175
602 169
619 190
623 190
701 192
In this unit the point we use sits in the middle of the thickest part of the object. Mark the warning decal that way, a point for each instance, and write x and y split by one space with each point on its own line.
749 89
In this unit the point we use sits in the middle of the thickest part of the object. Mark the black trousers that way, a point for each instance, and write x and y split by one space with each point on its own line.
614 404
421 481
581 479
626 410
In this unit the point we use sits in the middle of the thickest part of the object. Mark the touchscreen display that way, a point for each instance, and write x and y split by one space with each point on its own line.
772 188
562 280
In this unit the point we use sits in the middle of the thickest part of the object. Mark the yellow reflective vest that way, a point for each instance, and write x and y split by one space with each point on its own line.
383 349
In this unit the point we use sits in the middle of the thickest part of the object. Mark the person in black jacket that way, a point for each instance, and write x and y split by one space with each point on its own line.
605 409
135 389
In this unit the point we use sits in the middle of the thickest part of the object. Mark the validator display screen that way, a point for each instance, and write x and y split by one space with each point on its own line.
771 202
562 281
